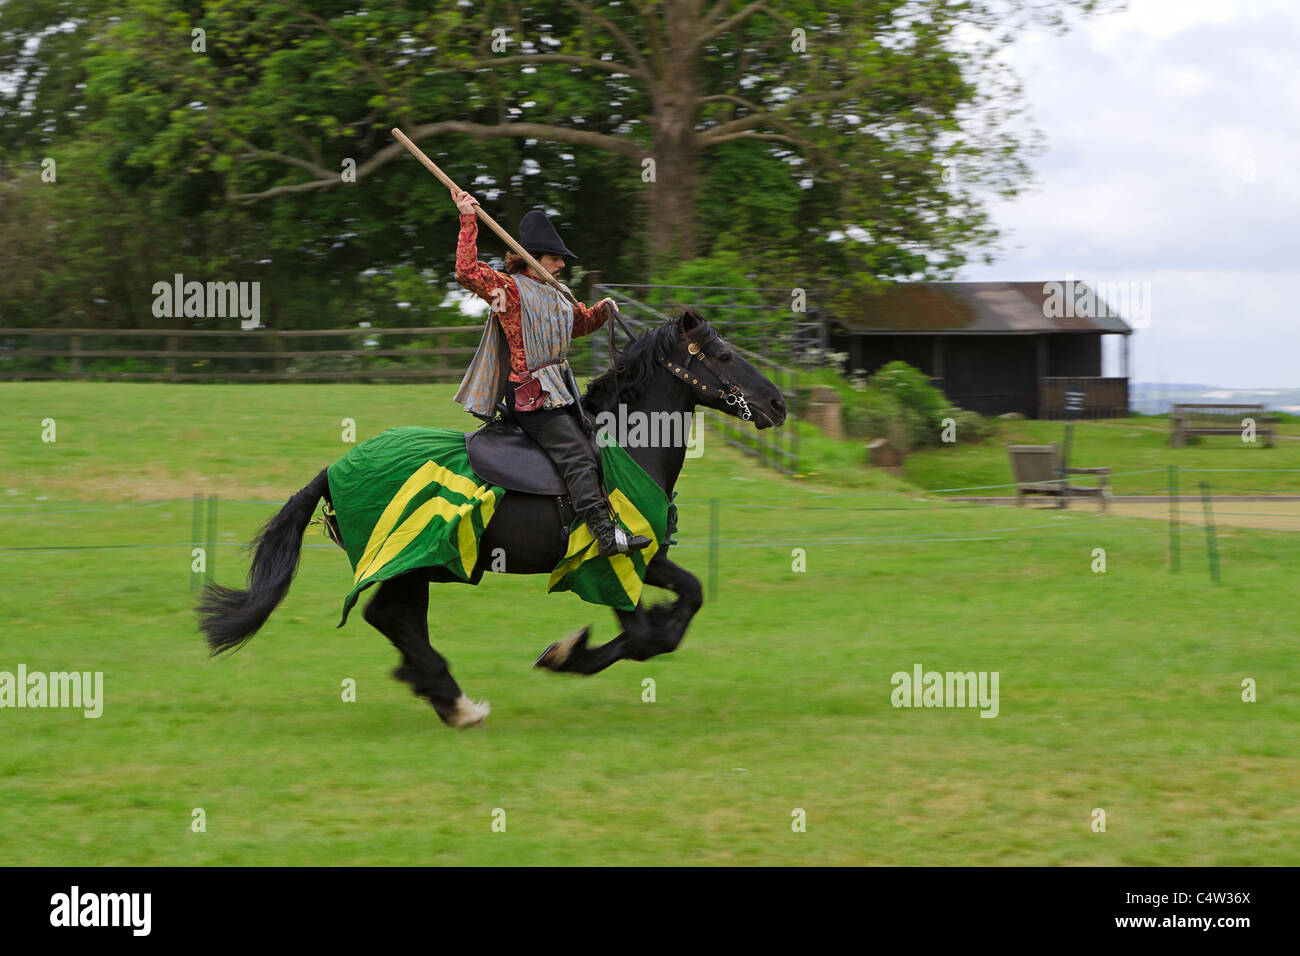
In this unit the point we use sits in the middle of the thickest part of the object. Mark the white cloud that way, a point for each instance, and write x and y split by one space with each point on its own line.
1173 132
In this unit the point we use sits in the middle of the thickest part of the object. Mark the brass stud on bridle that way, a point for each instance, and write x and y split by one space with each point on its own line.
732 397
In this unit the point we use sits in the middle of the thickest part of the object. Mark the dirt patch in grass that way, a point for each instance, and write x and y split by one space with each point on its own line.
1267 515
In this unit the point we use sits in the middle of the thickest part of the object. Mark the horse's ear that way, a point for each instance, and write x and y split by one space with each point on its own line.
690 321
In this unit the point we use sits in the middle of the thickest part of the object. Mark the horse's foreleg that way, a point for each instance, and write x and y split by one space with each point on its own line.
400 611
662 573
647 631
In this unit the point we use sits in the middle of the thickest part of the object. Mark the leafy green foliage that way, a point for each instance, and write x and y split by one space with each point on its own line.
898 403
817 139
910 388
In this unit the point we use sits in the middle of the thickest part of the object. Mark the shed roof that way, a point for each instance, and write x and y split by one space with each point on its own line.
974 307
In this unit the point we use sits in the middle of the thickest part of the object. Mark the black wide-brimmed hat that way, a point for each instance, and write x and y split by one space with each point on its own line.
538 236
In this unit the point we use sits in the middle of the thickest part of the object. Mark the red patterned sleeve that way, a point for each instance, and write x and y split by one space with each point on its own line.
586 321
485 282
478 277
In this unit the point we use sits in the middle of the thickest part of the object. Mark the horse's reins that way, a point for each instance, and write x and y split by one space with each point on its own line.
613 351
727 390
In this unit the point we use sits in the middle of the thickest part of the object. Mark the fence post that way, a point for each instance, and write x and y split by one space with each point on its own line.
173 345
713 549
203 508
794 425
196 532
74 354
1173 517
1211 545
210 548
440 372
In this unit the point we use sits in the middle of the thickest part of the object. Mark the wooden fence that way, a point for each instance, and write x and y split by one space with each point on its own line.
303 355
256 355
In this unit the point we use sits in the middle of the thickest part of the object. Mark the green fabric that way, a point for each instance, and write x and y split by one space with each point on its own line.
408 499
438 521
642 508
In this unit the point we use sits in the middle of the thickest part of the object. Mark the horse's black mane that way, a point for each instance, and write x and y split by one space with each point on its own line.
636 365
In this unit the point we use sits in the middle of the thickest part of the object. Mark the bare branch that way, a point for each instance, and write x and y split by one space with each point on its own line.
320 172
707 141
613 29
326 178
731 98
560 134
609 66
247 199
750 120
740 124
731 23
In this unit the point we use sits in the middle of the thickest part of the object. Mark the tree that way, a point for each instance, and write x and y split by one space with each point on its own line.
857 139
871 99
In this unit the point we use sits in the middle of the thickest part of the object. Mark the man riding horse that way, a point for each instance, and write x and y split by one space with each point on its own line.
537 324
410 509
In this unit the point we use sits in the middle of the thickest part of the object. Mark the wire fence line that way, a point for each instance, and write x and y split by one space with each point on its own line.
1089 522
994 534
204 542
144 547
155 502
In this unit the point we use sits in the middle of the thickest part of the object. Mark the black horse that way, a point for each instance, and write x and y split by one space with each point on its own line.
673 368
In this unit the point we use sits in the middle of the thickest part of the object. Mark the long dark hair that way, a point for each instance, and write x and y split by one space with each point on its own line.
515 264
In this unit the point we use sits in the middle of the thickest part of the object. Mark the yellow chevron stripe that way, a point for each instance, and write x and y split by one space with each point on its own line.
582 548
466 539
622 563
411 528
488 506
457 483
635 521
427 473
410 488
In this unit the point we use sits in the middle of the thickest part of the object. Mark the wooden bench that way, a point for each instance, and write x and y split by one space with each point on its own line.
1037 471
1193 419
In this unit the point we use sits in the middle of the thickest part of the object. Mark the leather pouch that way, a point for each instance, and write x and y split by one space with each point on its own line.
528 395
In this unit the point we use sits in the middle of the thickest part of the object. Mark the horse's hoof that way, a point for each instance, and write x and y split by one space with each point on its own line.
467 714
559 652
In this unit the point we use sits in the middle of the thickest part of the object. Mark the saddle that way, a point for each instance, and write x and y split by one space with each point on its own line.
501 453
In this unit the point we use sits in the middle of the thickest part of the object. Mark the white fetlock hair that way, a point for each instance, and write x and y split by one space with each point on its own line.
468 714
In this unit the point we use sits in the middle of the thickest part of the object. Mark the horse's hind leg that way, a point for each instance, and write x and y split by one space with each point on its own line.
400 611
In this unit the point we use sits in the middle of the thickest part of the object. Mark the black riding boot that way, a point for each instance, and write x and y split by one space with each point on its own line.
567 444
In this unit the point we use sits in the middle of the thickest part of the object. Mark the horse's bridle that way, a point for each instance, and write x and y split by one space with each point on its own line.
727 390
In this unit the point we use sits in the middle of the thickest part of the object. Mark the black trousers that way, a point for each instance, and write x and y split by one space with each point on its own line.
533 422
562 437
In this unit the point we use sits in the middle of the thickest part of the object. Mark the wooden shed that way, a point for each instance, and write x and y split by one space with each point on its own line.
992 347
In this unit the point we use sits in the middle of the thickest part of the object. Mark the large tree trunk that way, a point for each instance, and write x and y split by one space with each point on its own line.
672 193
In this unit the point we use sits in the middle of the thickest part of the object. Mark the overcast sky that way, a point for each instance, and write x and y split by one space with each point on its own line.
1173 157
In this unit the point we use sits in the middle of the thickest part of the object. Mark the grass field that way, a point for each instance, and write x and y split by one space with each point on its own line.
1136 449
1118 690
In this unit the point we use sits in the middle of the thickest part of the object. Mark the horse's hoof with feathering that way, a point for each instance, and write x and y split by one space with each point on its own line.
466 713
559 652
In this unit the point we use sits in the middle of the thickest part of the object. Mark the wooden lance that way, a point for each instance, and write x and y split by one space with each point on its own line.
492 224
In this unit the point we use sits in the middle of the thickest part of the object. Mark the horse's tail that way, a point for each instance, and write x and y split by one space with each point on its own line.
228 616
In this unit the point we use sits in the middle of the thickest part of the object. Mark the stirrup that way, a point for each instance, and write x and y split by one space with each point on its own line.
624 544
